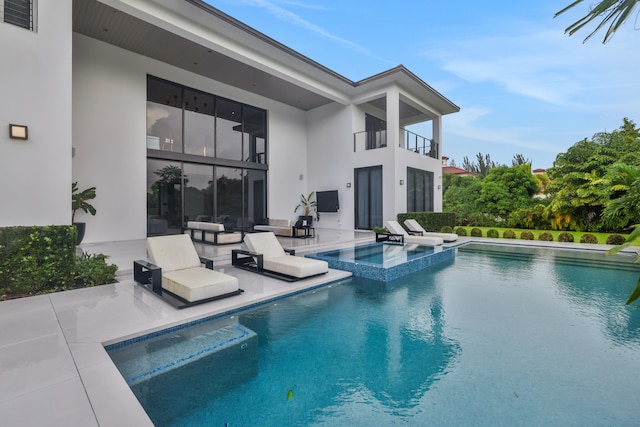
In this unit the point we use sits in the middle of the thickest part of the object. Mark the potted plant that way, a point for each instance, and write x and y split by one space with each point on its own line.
79 202
309 207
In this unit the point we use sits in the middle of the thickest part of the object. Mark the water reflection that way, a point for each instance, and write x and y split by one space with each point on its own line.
600 294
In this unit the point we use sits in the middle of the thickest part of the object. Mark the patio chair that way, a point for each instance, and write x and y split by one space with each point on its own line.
416 229
395 228
176 273
266 256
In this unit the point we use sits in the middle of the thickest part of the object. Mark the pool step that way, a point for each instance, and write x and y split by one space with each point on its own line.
143 360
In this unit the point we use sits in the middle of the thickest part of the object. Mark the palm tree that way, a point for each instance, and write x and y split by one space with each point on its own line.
612 12
624 188
632 239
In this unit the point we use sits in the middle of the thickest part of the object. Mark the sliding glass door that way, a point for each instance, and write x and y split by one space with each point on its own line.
368 194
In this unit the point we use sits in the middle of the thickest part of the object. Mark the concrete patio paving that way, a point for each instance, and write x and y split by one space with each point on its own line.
54 370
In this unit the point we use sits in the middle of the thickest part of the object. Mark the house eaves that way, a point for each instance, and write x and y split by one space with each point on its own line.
192 35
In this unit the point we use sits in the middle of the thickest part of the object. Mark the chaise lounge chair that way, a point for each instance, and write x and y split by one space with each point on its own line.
416 229
395 228
176 273
266 256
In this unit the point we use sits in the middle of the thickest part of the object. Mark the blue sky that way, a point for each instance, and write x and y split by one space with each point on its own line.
523 86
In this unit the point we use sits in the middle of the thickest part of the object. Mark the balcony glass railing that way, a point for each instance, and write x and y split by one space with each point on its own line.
419 144
365 140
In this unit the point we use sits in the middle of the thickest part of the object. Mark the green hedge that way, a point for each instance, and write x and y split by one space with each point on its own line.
35 259
430 221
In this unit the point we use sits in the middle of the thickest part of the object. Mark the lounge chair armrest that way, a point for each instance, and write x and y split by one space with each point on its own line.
415 233
389 237
250 257
290 251
145 272
208 263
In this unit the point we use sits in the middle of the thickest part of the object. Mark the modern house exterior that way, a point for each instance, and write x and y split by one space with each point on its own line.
176 111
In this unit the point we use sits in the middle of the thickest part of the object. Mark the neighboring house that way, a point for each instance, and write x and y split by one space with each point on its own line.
176 111
455 170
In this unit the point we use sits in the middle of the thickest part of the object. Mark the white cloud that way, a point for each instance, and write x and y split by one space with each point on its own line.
544 65
465 124
294 19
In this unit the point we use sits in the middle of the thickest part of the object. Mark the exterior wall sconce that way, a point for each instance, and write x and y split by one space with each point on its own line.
18 132
402 182
348 185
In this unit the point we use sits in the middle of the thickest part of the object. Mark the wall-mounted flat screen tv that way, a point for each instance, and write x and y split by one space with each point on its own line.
327 201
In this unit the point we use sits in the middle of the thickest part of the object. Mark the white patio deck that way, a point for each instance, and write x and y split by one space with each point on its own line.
54 370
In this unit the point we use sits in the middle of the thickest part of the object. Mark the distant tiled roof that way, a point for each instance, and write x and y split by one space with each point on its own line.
457 171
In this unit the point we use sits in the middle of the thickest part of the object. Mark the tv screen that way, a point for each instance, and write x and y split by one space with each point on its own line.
327 201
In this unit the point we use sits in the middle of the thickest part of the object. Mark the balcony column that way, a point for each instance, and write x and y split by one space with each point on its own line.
393 117
437 133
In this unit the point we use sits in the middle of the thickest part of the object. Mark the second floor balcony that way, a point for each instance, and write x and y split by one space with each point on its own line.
372 140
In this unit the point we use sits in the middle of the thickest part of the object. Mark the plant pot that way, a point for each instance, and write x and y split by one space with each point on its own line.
80 226
307 220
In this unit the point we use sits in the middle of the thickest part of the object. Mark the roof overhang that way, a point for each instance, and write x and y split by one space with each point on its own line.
197 37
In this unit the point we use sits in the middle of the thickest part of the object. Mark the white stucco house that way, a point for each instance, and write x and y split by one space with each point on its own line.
176 111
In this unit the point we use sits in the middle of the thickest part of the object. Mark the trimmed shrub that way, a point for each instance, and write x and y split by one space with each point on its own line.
461 231
565 237
446 229
430 221
588 238
546 236
476 232
616 239
93 270
493 233
509 234
36 259
526 235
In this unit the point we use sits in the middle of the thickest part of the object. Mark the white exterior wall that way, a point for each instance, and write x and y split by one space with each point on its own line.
330 159
287 145
109 134
35 83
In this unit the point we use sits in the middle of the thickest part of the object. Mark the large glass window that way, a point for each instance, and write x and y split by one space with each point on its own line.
368 193
198 193
183 123
229 130
255 197
199 123
376 130
419 190
164 197
229 197
254 125
164 116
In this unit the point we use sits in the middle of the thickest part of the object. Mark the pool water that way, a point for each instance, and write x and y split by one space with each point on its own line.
382 253
489 338
385 261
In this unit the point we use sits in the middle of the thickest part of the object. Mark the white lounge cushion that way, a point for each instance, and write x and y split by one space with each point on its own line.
182 272
172 252
223 238
395 228
264 243
208 226
414 225
276 259
296 266
194 284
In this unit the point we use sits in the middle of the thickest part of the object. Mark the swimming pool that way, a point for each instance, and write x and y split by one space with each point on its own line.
385 261
498 336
